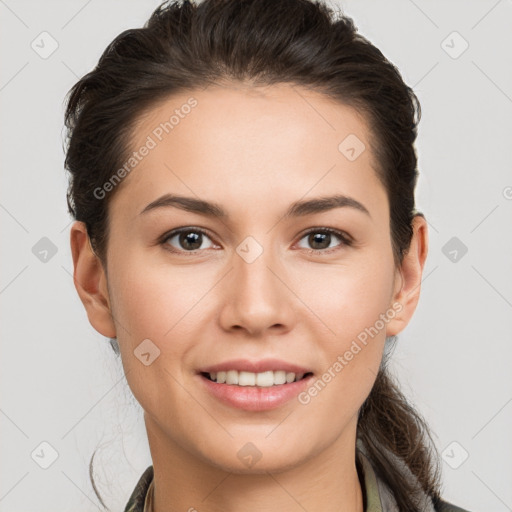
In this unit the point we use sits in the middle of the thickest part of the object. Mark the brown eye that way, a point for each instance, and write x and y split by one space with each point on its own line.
321 239
186 240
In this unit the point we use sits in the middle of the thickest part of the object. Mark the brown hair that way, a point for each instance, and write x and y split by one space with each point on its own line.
184 46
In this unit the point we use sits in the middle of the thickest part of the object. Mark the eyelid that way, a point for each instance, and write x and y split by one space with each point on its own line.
335 231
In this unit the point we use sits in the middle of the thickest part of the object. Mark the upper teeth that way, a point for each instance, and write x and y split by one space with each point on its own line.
263 379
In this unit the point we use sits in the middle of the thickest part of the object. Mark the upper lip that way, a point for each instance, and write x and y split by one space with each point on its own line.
263 365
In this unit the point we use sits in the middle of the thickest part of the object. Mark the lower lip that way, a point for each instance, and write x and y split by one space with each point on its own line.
253 398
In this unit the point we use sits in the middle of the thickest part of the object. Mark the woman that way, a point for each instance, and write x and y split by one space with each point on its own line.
242 179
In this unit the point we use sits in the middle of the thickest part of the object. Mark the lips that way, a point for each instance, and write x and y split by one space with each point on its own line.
254 398
260 366
261 395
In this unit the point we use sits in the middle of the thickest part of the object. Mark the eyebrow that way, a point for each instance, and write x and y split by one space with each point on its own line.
296 209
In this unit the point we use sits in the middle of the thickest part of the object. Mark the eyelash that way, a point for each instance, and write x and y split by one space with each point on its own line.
345 239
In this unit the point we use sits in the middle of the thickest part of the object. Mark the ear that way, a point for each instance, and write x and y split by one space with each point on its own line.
90 281
408 278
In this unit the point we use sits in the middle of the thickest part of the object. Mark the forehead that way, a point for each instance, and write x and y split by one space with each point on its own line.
230 140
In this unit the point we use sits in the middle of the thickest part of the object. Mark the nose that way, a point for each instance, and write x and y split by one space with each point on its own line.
257 297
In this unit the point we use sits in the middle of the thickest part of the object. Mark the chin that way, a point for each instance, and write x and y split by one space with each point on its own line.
246 458
260 467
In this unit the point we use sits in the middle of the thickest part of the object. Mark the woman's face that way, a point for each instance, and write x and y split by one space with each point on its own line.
263 281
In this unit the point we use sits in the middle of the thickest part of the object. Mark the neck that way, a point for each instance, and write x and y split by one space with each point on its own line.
327 482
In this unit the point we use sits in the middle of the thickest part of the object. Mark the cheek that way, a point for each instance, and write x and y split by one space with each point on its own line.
352 305
152 300
160 304
156 303
348 299
353 301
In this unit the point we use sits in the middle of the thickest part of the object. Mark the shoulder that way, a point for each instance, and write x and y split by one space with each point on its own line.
445 506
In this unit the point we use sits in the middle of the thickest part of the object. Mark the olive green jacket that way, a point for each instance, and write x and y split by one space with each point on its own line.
376 494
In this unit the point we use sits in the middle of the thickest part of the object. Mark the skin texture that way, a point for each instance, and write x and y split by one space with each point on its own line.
254 151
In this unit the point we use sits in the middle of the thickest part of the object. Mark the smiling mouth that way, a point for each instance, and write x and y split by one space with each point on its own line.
263 379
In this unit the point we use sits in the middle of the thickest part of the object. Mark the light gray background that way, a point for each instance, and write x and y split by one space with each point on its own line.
61 382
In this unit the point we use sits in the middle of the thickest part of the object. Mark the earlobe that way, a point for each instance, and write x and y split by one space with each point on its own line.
409 275
90 281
